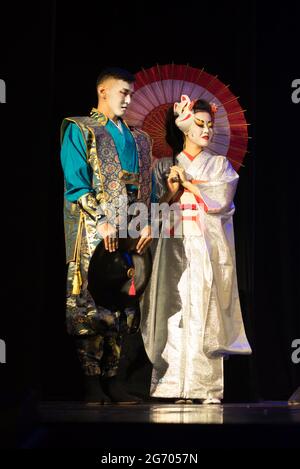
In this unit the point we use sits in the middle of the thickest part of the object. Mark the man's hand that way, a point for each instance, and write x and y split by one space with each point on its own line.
109 235
145 239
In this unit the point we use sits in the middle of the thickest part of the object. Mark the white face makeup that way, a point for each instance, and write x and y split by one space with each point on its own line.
117 95
201 130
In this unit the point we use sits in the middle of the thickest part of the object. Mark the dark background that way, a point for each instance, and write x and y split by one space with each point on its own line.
51 55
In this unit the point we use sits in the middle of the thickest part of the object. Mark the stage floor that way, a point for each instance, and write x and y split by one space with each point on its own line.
164 426
246 413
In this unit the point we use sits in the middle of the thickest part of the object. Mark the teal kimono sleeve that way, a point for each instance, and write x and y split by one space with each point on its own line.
77 172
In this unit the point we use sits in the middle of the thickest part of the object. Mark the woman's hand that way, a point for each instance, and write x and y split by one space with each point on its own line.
180 173
173 183
145 239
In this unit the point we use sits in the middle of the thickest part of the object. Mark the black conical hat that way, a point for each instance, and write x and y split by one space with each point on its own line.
114 277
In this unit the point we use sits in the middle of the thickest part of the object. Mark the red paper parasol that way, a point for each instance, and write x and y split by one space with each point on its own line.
158 87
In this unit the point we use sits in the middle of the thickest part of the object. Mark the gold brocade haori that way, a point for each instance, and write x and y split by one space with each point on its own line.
81 236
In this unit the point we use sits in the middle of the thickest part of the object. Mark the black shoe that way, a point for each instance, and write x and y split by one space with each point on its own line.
93 392
117 393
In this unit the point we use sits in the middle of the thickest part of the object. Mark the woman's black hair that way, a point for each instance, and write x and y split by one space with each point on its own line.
202 105
174 136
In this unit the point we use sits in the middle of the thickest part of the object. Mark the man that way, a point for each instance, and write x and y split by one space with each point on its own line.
104 161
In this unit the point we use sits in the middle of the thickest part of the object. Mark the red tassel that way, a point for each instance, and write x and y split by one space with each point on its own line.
132 291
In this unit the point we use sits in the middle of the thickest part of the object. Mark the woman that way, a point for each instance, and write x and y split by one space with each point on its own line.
191 309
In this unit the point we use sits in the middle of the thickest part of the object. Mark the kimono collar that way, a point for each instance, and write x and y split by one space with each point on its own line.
193 166
190 157
98 116
101 118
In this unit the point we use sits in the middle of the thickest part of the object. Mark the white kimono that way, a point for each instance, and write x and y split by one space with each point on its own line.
191 316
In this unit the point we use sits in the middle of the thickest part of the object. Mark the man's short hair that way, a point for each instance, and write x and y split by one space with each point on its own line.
117 73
